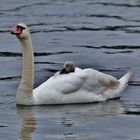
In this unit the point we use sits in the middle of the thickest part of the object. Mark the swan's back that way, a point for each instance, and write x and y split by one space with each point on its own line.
82 86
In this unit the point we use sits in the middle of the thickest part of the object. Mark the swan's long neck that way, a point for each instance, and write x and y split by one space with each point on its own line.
25 89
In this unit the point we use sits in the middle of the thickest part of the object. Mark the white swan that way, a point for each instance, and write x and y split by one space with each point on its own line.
81 86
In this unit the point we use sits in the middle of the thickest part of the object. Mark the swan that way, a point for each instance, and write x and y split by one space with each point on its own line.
81 86
68 67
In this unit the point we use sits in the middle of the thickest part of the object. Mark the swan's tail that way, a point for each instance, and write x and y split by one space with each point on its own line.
124 80
115 93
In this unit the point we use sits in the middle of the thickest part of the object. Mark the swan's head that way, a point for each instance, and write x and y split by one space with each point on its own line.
68 67
21 31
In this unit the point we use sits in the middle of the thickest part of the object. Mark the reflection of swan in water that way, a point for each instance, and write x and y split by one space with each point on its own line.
58 118
28 123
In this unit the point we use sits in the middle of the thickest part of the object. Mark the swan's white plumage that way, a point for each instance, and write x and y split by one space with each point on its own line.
81 86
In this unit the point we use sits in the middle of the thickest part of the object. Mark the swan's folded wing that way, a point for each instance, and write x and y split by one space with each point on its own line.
108 81
98 82
87 80
67 83
102 80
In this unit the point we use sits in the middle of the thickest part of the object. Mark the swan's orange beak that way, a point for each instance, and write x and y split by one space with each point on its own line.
16 31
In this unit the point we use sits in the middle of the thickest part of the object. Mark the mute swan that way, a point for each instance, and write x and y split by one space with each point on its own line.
68 67
81 86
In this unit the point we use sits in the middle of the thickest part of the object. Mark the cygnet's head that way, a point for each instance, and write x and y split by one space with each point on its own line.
68 67
21 31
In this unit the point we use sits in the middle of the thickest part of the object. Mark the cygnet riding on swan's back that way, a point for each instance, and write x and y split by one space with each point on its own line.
68 67
81 86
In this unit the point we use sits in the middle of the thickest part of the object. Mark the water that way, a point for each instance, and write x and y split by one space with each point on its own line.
102 34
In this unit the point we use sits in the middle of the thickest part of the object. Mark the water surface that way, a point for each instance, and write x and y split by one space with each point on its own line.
102 34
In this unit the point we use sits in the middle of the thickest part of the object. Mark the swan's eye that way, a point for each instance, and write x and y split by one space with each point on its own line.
21 27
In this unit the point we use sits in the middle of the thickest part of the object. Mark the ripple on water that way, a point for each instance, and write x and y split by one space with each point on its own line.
100 34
